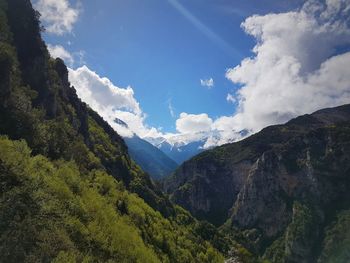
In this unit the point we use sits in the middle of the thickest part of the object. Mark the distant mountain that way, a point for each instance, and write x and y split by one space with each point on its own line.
150 158
182 147
283 192
179 151
182 152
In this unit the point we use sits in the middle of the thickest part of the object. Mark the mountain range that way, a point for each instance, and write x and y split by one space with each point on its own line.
157 156
178 150
160 156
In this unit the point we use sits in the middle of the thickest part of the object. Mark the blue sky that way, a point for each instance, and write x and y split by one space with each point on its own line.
152 47
157 55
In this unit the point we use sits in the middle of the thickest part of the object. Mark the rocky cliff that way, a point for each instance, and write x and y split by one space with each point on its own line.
279 187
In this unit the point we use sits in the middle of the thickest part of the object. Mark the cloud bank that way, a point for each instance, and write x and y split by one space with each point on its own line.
298 65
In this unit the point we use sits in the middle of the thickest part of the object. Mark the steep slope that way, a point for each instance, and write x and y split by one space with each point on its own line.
152 160
69 190
280 187
39 105
50 211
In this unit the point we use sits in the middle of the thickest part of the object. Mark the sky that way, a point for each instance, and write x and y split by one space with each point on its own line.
181 70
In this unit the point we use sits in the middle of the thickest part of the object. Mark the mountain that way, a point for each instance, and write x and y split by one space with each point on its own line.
179 149
283 192
182 147
181 152
151 159
69 191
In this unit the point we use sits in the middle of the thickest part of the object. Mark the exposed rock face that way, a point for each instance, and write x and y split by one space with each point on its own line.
261 202
256 183
205 189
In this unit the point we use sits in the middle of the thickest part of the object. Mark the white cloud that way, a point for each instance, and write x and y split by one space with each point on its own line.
110 101
57 15
103 90
209 83
71 59
296 68
58 51
192 123
230 98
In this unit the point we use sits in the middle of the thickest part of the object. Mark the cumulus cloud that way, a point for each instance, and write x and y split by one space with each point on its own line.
57 15
192 123
209 83
297 67
111 102
58 51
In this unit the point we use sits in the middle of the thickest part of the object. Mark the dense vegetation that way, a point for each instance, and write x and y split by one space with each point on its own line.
337 240
69 190
51 211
